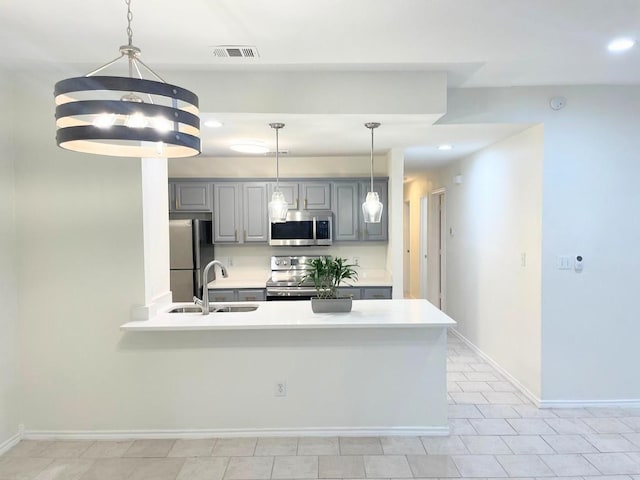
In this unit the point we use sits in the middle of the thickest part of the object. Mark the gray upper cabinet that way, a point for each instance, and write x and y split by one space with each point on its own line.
374 231
316 196
190 197
255 214
349 224
226 213
291 192
345 211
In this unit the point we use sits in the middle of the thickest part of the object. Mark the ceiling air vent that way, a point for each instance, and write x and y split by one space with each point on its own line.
235 51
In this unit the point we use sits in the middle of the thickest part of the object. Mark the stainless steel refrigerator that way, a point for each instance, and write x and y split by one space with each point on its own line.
190 250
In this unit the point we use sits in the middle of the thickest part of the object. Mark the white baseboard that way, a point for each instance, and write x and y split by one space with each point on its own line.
225 433
611 403
633 403
10 442
524 390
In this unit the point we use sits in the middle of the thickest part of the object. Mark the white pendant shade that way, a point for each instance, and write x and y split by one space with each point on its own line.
372 208
278 205
278 208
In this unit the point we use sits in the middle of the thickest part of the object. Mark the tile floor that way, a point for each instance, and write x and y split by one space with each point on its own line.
496 433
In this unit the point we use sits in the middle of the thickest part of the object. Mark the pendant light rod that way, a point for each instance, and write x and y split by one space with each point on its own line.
371 126
276 127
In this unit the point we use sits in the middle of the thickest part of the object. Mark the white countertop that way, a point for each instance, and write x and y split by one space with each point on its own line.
298 314
244 278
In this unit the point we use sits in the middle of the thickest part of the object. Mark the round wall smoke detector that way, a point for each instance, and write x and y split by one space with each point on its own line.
558 103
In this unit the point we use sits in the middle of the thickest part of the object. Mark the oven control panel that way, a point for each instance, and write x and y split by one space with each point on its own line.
282 263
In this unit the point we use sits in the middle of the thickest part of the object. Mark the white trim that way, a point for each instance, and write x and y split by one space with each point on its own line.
240 432
11 442
525 391
616 403
632 403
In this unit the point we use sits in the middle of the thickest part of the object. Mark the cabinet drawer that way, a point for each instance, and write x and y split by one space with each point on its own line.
251 295
221 295
350 292
376 293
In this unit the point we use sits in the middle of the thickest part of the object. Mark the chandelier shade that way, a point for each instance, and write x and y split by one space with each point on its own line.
127 116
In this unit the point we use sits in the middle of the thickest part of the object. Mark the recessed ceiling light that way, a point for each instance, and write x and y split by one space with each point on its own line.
249 147
620 44
213 124
445 147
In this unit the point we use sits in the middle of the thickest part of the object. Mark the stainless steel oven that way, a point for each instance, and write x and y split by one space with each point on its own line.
286 282
303 228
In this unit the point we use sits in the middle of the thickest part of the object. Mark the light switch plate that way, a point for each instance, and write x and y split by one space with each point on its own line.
563 262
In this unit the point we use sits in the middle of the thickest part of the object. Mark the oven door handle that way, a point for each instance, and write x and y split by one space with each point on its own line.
290 291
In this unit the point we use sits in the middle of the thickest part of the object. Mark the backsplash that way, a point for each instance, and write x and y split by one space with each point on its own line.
370 256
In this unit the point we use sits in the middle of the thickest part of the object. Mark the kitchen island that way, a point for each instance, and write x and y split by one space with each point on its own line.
283 370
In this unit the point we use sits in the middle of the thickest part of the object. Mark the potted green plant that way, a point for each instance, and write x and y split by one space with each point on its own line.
327 274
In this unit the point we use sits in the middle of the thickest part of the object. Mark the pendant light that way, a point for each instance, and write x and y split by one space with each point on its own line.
278 205
372 207
127 116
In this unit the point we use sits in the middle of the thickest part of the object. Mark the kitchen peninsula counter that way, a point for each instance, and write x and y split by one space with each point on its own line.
298 315
282 370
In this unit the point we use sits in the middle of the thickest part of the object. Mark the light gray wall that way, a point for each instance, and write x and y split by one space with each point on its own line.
9 339
493 218
80 269
590 204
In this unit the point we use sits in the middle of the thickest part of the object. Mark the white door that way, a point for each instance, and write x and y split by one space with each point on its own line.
406 249
424 242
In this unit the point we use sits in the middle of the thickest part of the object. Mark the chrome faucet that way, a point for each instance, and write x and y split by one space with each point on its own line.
204 303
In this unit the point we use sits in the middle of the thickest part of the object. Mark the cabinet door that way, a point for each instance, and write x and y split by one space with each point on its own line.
352 292
192 197
172 198
222 295
289 190
255 215
374 231
376 293
226 213
316 196
345 211
252 295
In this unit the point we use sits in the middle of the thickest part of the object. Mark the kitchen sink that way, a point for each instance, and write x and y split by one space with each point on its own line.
215 309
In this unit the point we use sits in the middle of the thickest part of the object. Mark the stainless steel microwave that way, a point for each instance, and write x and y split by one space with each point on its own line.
303 229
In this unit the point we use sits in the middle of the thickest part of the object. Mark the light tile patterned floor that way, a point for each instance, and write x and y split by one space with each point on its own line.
496 433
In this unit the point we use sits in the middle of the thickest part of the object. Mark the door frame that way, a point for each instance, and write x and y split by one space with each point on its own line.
438 241
424 246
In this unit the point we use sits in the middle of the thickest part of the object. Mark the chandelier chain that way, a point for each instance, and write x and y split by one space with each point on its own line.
129 20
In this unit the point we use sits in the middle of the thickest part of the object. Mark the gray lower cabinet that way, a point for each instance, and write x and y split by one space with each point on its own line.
349 224
221 295
251 295
376 293
352 292
238 295
366 293
190 197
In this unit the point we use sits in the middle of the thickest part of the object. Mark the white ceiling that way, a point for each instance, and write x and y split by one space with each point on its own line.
478 42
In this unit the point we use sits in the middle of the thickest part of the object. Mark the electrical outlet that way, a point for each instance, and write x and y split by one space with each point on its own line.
356 261
280 389
230 262
563 262
523 259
